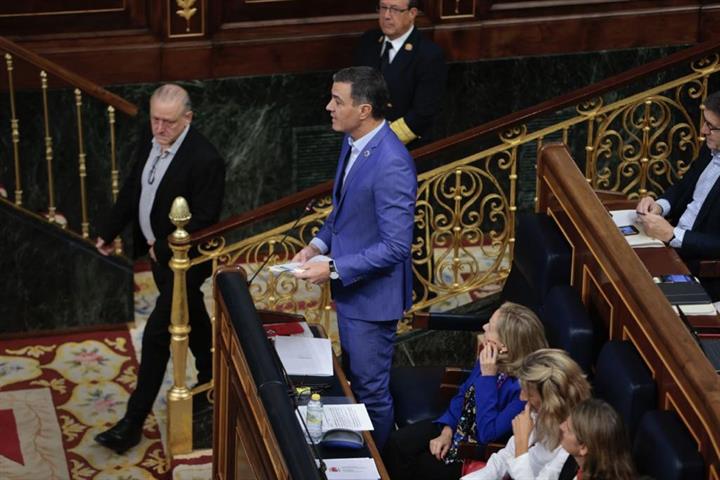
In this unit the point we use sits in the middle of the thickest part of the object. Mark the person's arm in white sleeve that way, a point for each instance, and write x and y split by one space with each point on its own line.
538 464
497 464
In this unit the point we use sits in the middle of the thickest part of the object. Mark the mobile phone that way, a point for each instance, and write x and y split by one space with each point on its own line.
629 230
677 278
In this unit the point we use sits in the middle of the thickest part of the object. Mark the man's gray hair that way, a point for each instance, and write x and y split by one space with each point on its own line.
172 93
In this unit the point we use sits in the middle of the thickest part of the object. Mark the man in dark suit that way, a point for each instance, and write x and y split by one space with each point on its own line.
692 204
369 235
413 67
177 161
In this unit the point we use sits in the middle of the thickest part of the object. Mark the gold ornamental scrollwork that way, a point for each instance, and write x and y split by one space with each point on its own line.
187 11
463 220
590 107
706 65
514 135
640 147
213 247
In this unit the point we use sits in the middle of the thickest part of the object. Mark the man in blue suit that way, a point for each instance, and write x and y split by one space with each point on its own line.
368 234
692 204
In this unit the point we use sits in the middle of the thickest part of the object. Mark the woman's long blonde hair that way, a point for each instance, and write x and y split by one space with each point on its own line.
520 330
600 429
561 385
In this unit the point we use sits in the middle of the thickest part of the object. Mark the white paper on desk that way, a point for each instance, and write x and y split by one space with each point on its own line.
347 416
305 356
623 218
702 309
292 266
351 469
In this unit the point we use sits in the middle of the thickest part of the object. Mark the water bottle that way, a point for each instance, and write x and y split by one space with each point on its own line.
314 417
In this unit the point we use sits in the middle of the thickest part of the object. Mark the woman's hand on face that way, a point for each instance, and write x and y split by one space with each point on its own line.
488 359
440 445
522 425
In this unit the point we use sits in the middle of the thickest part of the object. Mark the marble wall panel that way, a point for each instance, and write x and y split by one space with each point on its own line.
53 282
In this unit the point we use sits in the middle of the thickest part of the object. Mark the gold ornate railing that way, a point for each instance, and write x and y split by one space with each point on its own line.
20 61
636 144
465 210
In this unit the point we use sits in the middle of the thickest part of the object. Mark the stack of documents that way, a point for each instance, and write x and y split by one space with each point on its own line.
686 294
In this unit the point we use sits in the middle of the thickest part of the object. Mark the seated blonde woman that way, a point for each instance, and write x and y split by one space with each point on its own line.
594 435
483 408
552 384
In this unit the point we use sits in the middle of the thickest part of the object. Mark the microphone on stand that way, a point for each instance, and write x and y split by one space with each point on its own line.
308 208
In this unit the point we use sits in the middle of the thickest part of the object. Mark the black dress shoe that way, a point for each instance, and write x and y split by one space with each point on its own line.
121 437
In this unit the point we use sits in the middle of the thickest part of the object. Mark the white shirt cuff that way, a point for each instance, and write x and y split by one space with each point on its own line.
679 236
665 205
320 245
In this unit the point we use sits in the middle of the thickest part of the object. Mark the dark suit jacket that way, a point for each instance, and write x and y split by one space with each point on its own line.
197 172
415 78
703 240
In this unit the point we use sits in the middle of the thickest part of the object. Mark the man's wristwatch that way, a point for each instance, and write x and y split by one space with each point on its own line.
334 275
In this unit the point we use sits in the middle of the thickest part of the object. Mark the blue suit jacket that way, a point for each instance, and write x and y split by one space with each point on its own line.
369 231
703 240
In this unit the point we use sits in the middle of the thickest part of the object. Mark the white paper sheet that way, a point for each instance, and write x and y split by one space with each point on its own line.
348 416
293 266
305 356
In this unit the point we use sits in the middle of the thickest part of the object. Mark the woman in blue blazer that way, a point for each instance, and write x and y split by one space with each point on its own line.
483 408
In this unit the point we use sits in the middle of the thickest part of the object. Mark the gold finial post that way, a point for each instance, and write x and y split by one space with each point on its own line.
48 148
82 168
179 398
114 173
15 130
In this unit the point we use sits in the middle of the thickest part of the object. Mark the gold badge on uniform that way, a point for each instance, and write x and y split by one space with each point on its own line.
408 47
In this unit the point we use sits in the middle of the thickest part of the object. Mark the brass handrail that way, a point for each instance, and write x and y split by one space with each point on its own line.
79 87
73 79
486 130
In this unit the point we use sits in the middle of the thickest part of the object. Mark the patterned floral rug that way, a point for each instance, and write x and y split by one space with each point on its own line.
56 394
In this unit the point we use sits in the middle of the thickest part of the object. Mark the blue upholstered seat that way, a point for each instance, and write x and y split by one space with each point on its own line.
415 392
623 380
568 326
664 449
541 260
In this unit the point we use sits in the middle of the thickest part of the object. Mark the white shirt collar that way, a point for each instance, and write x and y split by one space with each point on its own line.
175 145
399 41
358 145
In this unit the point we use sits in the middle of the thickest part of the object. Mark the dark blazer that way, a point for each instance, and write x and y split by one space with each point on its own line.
703 240
197 172
415 78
